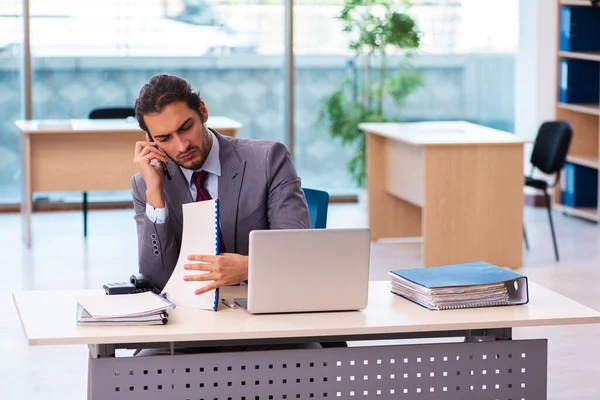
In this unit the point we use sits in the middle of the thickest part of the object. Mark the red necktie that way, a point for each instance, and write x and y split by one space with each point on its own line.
199 179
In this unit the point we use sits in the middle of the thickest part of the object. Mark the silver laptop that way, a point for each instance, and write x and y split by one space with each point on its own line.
304 270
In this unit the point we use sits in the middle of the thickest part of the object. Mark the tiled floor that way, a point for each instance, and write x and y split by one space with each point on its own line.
61 259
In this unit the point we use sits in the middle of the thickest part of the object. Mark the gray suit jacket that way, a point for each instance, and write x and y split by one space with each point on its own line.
258 189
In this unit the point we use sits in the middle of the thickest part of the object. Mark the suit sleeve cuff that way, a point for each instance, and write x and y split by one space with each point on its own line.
157 215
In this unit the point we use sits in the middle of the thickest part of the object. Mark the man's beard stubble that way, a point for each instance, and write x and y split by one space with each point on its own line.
203 152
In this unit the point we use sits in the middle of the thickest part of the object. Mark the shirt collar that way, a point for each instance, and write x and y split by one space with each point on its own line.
212 164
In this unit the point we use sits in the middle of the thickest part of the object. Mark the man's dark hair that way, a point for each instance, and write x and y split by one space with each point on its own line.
162 90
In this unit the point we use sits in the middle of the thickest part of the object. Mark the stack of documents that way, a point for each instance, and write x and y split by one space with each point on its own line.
477 284
146 308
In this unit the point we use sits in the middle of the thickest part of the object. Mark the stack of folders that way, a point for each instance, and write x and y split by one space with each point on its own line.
146 308
477 284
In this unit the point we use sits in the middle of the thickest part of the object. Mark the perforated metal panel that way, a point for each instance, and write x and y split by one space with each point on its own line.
502 370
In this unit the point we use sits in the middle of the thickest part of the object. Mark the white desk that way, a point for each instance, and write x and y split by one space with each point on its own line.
48 318
82 155
457 185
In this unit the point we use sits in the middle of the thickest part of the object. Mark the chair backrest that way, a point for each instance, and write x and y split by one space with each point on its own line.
551 146
113 112
318 202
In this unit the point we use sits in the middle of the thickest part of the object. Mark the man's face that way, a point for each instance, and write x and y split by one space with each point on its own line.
181 134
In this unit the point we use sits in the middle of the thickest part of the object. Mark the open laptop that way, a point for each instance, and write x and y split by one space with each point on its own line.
301 270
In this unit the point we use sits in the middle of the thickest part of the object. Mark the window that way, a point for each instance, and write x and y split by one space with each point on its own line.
466 61
231 52
100 52
11 24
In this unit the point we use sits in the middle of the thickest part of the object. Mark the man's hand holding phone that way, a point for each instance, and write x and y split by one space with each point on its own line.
147 157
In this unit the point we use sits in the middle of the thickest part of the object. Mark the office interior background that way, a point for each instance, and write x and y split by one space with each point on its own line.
234 53
491 62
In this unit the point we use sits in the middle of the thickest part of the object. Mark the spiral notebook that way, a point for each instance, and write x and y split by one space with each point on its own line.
200 236
476 284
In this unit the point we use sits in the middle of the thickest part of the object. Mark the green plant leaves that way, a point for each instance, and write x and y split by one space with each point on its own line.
374 27
406 81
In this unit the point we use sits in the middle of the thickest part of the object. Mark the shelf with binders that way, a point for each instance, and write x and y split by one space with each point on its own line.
583 151
578 80
577 193
569 204
578 102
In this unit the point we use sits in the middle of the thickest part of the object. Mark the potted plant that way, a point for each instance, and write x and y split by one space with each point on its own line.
375 28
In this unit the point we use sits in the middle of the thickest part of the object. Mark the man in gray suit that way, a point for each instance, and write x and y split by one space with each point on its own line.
255 181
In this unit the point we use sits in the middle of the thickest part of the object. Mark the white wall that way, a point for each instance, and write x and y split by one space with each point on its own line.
535 67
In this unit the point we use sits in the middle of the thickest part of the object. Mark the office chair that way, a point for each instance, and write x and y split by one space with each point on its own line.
112 112
104 113
549 156
318 202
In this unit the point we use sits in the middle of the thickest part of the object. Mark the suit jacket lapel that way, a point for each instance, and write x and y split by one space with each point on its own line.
176 191
230 184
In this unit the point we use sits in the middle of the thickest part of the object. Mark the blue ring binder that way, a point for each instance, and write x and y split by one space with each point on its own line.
217 247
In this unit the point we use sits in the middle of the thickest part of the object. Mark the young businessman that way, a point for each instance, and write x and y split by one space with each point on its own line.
255 181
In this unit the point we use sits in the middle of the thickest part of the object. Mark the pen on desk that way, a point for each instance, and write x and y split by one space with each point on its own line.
228 304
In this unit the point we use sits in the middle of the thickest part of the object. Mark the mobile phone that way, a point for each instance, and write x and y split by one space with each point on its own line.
167 174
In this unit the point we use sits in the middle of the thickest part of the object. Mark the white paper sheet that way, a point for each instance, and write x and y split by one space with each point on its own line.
199 237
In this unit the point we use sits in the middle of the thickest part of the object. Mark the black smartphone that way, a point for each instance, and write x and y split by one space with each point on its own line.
167 174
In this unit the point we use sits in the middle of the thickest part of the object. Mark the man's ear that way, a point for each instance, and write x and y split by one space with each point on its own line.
203 111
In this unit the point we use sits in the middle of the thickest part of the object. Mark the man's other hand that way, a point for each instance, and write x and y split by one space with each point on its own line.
224 270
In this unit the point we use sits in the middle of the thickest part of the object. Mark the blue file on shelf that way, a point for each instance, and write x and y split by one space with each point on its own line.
579 81
579 186
579 29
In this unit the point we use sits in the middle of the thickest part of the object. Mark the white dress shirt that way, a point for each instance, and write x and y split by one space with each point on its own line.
212 165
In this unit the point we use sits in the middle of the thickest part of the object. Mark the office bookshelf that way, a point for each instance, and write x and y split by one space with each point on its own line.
584 119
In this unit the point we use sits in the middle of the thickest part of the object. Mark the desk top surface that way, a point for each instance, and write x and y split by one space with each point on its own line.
103 125
48 318
441 133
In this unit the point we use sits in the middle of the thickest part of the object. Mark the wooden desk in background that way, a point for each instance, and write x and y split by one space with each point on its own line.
82 155
457 185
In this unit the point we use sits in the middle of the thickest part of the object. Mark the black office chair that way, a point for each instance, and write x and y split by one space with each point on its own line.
104 113
114 112
549 156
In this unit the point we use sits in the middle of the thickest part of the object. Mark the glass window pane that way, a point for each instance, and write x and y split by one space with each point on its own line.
321 58
98 53
11 33
466 63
